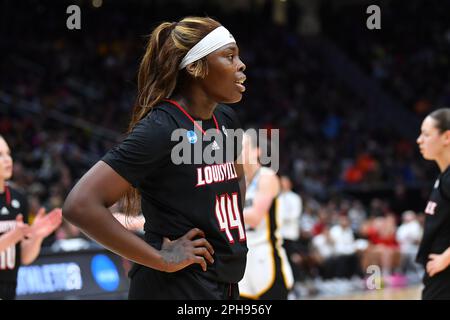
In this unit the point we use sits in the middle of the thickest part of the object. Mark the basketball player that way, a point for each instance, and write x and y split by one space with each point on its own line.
195 245
290 209
434 249
268 274
19 243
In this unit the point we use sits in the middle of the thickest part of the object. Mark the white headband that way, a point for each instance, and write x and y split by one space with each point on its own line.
211 42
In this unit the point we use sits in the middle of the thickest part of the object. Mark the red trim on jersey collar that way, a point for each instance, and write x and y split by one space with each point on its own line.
192 119
7 196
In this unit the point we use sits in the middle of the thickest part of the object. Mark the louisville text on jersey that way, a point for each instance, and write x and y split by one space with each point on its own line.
215 173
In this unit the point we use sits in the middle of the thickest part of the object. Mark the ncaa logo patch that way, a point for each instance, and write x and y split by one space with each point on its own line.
105 272
192 136
15 204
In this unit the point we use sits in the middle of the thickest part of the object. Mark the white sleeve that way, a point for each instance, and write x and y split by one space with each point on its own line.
291 206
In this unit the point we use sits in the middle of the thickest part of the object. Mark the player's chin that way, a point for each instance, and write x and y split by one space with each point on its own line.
233 98
7 175
427 156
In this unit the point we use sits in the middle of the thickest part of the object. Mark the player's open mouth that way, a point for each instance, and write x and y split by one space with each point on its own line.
239 84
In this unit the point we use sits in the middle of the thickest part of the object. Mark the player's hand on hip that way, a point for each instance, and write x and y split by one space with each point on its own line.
185 251
435 264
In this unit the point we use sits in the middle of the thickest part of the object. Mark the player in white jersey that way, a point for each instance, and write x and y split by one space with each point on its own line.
290 210
268 274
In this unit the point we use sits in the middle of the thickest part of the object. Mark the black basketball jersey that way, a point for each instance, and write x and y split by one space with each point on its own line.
436 235
178 197
12 203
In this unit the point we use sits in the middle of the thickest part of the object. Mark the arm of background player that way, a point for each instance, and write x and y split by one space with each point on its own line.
87 208
13 236
43 225
268 188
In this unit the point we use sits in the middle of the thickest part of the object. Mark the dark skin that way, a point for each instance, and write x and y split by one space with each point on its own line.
87 204
200 96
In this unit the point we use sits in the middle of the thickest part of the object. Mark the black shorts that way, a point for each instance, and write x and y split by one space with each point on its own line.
278 291
7 290
150 284
437 287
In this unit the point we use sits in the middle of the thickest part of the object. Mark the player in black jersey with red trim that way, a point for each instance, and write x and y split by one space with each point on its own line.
19 243
434 250
195 243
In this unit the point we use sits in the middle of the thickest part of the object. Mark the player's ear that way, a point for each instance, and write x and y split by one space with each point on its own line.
194 69
190 68
446 136
197 69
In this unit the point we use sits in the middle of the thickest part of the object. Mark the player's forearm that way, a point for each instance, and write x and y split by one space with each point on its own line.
252 217
97 222
30 249
10 238
255 214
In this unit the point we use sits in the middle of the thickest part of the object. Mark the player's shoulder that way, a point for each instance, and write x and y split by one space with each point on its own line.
18 196
16 191
268 176
160 116
445 176
444 183
266 171
156 123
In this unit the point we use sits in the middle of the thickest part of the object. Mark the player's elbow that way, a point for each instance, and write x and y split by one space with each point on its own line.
253 220
75 207
251 223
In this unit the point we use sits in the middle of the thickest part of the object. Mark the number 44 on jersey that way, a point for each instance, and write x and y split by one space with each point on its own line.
229 216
